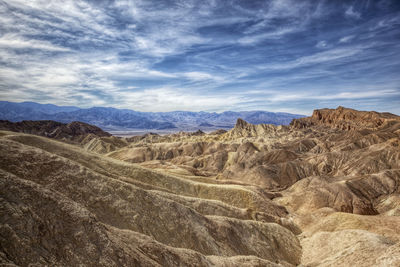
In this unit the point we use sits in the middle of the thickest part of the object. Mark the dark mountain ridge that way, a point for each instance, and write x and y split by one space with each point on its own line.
54 129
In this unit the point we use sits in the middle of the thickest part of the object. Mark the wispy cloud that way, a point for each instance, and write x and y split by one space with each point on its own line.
333 55
346 39
321 44
275 34
350 12
171 99
199 55
13 41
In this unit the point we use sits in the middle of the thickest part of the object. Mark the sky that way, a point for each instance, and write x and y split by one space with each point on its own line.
276 55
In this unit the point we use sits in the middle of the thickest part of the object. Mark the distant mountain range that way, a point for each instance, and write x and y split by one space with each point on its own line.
125 119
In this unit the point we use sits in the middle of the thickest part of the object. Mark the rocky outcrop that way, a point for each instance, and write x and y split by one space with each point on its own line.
275 157
245 129
345 119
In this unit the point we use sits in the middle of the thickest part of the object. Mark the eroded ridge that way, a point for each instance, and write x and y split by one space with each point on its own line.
323 191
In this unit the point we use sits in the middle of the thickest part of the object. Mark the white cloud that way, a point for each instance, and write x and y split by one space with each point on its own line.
13 41
97 60
278 96
201 76
276 34
360 94
171 99
297 13
317 58
350 12
321 44
346 39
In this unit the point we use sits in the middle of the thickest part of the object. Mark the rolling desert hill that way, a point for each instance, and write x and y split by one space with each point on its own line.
322 191
62 205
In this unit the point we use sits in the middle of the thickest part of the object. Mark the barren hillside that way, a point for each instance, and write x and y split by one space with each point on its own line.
324 191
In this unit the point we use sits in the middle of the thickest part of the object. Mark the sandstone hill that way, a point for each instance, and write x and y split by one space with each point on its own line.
340 161
324 191
61 205
88 136
346 119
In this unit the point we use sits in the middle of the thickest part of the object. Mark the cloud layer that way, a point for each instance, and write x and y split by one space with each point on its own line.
278 55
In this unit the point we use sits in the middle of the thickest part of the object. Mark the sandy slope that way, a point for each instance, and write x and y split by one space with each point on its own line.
336 172
324 191
62 205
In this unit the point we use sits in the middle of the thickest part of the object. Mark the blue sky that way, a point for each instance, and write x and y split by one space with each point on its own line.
281 55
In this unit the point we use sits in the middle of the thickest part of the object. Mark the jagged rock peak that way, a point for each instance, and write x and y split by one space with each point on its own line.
198 132
240 123
246 129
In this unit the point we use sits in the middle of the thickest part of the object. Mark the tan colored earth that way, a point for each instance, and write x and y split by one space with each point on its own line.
324 191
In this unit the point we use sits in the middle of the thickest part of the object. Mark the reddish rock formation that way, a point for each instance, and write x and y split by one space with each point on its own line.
345 119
